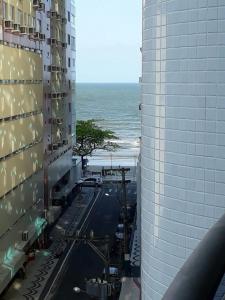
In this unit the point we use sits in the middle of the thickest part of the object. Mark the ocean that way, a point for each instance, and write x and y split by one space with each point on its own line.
116 106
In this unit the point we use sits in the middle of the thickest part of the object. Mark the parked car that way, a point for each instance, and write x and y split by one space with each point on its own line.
91 181
113 271
119 231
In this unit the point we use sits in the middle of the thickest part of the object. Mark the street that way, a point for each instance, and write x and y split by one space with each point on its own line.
83 262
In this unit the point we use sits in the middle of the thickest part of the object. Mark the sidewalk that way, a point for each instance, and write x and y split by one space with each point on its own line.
130 289
39 271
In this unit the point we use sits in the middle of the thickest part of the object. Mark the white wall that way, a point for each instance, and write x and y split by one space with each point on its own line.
183 133
59 168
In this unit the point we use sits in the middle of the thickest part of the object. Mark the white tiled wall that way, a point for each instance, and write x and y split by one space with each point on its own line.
183 133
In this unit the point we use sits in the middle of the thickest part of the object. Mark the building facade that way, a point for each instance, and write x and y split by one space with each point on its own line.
183 133
37 81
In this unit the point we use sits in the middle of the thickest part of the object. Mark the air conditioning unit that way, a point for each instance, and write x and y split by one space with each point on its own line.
64 45
58 17
25 235
41 6
59 121
55 146
31 30
42 36
54 95
39 36
51 14
36 4
16 29
52 42
23 30
8 25
52 68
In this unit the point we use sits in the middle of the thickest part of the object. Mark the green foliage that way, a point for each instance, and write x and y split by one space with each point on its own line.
90 137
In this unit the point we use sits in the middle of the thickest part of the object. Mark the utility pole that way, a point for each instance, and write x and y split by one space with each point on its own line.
123 172
124 201
97 288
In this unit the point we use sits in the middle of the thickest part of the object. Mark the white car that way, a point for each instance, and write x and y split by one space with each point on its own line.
98 178
92 180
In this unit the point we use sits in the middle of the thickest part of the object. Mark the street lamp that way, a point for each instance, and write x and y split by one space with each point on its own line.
77 290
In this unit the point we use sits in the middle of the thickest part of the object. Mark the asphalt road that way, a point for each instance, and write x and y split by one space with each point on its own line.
83 262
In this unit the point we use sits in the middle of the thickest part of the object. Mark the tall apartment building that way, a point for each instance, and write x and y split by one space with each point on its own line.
183 133
37 60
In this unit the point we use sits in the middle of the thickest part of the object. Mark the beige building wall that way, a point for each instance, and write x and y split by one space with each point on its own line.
18 64
20 133
36 85
21 137
21 128
20 99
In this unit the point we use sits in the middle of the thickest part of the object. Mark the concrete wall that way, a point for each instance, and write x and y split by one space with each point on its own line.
183 133
59 168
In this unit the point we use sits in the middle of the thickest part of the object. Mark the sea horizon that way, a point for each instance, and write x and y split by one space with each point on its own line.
115 107
108 83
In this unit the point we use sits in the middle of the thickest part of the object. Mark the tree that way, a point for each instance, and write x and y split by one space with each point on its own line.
91 137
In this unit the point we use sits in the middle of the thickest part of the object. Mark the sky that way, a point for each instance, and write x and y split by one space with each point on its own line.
108 40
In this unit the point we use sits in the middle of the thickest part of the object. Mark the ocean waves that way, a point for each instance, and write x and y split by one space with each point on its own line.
115 106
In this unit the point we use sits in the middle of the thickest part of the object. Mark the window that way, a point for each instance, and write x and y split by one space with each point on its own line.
38 25
33 22
25 19
73 19
68 39
68 16
69 107
70 129
20 17
5 10
12 13
69 62
73 45
29 21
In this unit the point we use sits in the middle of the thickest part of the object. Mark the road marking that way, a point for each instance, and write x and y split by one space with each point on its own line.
71 247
